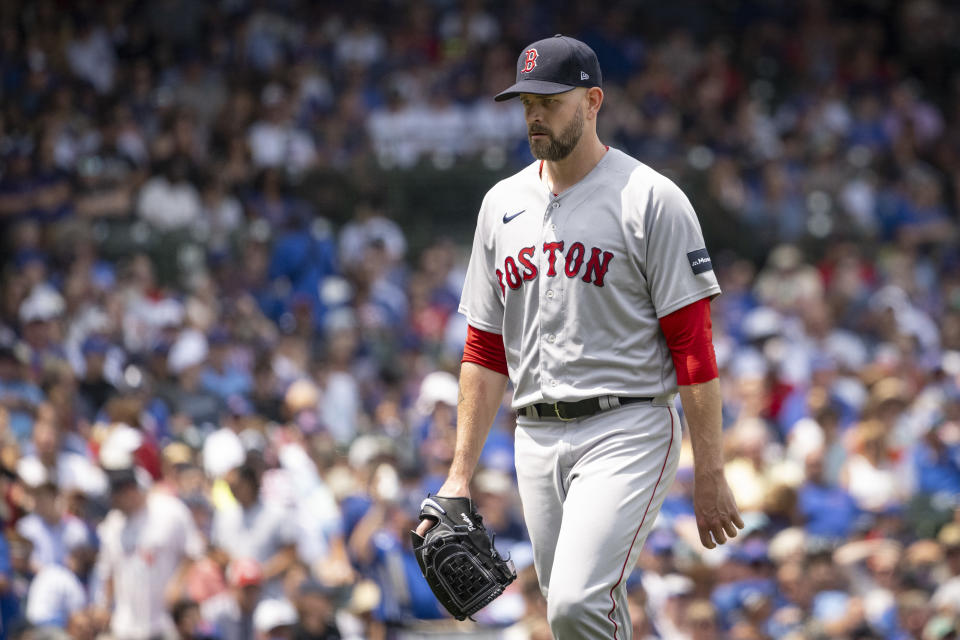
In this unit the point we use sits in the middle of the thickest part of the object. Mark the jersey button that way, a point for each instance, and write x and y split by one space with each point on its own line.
553 227
554 383
549 293
556 205
551 338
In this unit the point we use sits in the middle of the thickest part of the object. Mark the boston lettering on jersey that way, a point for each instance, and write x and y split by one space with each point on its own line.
518 270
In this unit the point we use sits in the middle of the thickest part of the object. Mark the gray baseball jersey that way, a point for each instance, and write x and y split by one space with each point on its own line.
575 283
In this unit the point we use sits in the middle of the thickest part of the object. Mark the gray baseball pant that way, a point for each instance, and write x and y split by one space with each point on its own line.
591 489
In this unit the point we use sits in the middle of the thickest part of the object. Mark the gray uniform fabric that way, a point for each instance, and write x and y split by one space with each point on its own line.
591 490
575 284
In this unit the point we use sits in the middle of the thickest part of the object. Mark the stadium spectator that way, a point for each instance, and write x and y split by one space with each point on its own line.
50 459
315 611
947 595
18 396
828 511
51 531
274 619
147 542
253 528
231 612
187 621
59 591
168 200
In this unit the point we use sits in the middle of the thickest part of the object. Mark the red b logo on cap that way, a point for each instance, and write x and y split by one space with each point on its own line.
530 61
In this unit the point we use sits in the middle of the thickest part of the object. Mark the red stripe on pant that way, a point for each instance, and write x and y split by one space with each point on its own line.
623 569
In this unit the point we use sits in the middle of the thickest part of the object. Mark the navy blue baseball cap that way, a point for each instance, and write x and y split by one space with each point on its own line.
554 65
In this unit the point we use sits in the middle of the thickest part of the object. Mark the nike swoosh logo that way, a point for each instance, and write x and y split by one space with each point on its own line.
507 218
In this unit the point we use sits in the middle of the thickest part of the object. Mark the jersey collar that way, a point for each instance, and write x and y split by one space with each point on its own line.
583 180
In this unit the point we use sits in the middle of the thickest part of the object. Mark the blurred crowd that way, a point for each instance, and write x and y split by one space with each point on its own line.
233 443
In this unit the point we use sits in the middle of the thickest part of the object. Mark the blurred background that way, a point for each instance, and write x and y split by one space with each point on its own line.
233 235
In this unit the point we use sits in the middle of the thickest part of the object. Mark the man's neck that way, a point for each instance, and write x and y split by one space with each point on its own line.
560 175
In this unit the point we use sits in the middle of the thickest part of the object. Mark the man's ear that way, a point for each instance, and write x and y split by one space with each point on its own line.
594 99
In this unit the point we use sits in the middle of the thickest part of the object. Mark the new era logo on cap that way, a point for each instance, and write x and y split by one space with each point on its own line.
554 65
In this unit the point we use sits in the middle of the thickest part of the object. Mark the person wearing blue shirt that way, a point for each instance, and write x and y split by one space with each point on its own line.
827 511
937 464
17 395
732 599
221 376
9 602
380 544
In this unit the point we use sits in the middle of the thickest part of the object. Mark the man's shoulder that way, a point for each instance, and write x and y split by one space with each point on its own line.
74 526
53 575
642 176
227 519
71 460
111 524
220 608
526 178
272 512
29 524
617 160
948 591
162 504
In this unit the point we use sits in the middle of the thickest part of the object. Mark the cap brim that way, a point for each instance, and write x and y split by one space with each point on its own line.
538 87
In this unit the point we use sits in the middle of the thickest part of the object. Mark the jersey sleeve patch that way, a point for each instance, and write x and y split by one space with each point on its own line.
700 261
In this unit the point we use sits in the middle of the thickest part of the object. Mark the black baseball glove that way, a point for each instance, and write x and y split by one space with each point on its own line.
457 557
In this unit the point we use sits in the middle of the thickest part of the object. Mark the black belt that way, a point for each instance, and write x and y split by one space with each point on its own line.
579 409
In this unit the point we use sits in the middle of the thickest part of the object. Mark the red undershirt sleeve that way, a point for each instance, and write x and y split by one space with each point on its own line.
485 349
689 336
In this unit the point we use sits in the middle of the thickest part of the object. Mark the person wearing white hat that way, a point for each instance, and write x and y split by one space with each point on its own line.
39 316
186 360
274 619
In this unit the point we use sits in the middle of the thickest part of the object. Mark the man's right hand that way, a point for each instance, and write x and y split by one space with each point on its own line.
450 489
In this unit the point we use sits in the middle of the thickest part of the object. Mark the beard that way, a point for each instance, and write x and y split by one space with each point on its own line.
558 147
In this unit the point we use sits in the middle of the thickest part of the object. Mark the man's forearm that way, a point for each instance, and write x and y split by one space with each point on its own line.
360 539
713 503
702 406
175 586
481 391
279 562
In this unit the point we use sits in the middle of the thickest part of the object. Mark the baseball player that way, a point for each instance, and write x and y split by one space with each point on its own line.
589 286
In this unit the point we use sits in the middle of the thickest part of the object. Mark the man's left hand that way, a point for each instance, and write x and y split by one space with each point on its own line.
715 509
